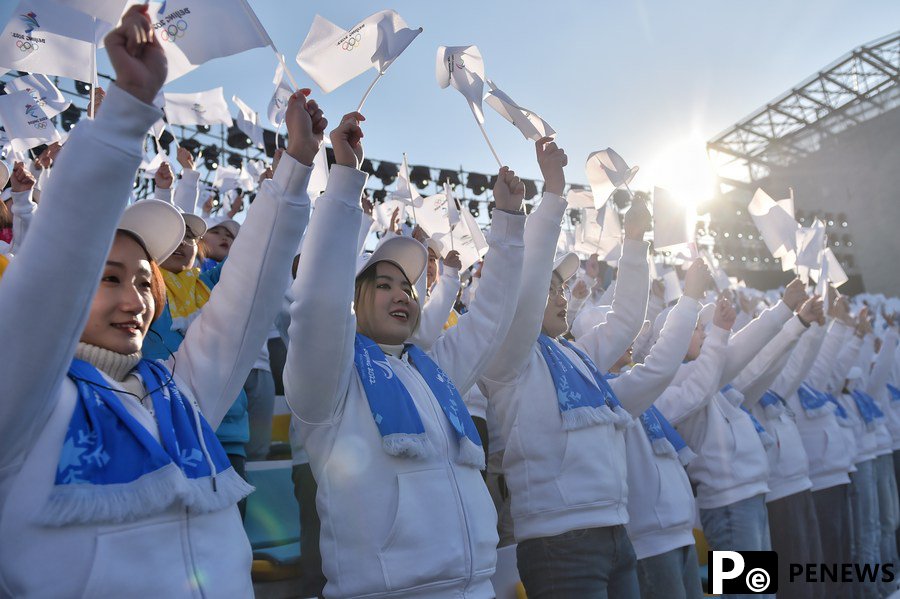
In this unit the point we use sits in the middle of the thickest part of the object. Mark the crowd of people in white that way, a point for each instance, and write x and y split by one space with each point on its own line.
585 421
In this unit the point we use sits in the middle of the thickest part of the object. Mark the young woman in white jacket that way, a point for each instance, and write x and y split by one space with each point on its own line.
112 483
561 428
403 507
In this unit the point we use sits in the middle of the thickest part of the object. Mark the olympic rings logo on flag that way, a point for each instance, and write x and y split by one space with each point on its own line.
40 125
174 31
352 42
26 46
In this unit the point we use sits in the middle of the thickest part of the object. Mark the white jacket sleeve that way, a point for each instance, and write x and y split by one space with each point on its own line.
187 191
884 361
222 344
364 228
464 351
746 343
823 366
541 235
44 300
23 209
696 382
323 326
638 388
588 317
606 343
846 359
799 362
756 378
437 309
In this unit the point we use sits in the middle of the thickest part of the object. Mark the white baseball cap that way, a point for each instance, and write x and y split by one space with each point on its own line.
159 225
405 253
233 226
194 224
566 265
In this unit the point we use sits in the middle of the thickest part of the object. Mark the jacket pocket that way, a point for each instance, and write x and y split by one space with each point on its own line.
425 542
593 467
675 500
139 561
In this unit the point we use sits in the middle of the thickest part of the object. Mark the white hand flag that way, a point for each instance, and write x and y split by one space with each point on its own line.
834 272
468 240
406 191
673 222
810 242
452 210
25 122
332 56
199 108
434 215
777 227
279 102
463 68
529 124
382 213
50 99
606 172
45 37
109 11
248 121
193 32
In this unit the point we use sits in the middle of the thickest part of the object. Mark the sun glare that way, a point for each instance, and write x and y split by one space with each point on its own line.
683 168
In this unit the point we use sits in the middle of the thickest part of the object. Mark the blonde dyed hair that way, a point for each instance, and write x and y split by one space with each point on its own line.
363 301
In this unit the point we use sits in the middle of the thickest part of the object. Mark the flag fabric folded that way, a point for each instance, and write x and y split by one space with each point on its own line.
809 243
108 11
45 37
332 56
580 198
198 108
452 205
281 95
25 122
434 215
673 222
463 68
248 121
405 191
48 97
777 228
607 171
529 124
193 32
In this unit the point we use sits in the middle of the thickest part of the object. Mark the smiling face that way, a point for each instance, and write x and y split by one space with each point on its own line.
126 301
386 308
555 323
184 255
218 242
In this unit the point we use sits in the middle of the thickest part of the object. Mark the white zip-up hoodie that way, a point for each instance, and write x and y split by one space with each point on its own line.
876 386
560 480
731 463
788 464
660 500
391 526
44 304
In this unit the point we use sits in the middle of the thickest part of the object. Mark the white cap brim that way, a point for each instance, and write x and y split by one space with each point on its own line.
159 225
195 224
233 226
566 266
4 174
405 253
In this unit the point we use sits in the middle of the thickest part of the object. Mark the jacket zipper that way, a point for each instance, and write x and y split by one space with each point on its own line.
439 414
194 578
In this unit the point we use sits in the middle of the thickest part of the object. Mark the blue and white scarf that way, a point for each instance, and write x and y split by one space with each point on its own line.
395 413
814 402
867 408
772 404
582 401
894 392
843 417
111 469
764 436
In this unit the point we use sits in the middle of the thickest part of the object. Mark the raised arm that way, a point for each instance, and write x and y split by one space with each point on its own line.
801 360
222 344
881 372
541 236
746 343
44 301
464 351
323 326
697 381
606 342
23 207
187 191
437 308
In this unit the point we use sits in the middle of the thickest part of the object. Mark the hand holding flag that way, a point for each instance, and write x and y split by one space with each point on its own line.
529 124
607 171
306 125
137 56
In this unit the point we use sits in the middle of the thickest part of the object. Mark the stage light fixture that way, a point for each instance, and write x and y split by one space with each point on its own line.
473 208
420 176
387 172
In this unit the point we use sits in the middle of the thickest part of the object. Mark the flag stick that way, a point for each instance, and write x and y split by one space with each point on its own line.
287 71
368 91
91 114
483 132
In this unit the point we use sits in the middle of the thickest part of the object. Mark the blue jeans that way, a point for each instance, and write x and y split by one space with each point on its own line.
866 547
674 574
590 562
741 526
888 514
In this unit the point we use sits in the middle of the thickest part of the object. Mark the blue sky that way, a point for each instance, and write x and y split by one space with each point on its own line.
652 79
